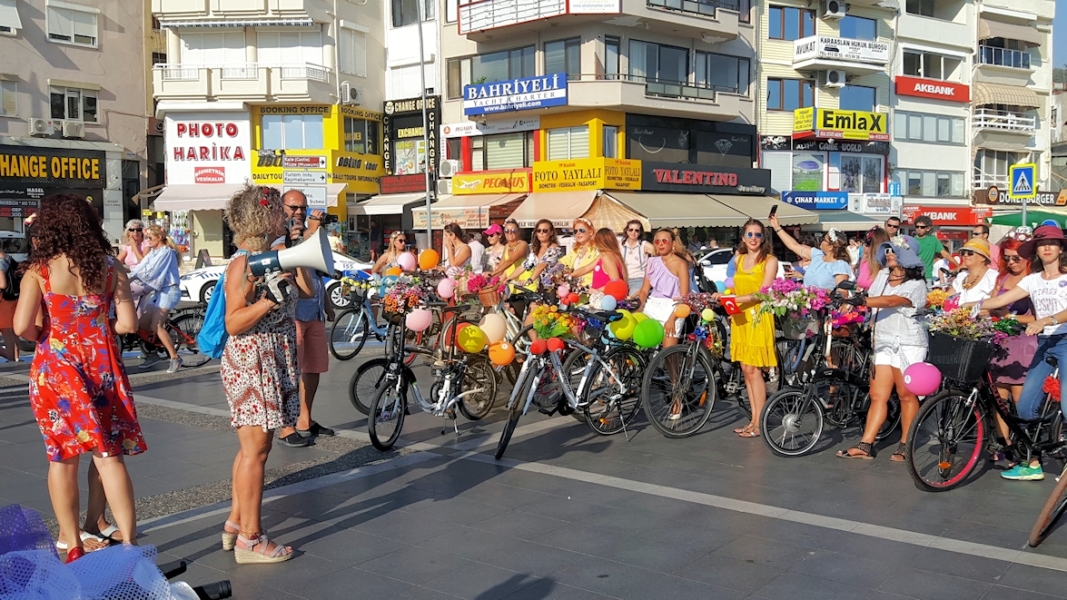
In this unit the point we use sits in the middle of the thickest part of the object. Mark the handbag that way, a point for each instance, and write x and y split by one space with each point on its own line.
213 336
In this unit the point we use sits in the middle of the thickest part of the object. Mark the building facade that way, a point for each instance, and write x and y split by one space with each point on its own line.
72 115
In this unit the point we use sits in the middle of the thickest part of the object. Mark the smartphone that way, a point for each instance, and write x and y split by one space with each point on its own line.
787 267
774 210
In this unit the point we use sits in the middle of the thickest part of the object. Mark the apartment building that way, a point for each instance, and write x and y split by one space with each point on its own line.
72 114
279 92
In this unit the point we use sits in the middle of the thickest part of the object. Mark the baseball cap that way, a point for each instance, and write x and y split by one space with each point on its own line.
494 229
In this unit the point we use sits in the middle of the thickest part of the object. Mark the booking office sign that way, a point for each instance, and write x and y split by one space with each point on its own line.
515 94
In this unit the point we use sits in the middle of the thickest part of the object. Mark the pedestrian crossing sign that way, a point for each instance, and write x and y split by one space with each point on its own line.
1023 181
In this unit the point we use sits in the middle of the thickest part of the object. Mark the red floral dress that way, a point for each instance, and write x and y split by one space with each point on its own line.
78 386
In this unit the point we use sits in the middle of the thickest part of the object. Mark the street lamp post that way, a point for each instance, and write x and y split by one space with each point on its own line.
425 125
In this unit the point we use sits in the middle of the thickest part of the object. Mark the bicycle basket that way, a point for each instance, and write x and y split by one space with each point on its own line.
798 328
392 317
959 359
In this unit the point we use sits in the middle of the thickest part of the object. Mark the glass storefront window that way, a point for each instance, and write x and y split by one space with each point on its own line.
808 172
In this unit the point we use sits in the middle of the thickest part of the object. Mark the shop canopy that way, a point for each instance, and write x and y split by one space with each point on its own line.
469 211
1034 217
680 210
193 196
562 208
988 29
608 212
759 207
843 220
387 204
986 93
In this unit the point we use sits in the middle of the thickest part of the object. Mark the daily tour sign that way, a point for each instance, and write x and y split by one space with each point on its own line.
585 174
840 124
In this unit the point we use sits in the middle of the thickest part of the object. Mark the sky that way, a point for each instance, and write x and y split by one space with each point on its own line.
1059 34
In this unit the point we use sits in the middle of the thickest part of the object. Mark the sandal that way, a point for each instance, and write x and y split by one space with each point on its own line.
245 553
901 453
752 432
867 450
229 538
108 534
744 429
90 541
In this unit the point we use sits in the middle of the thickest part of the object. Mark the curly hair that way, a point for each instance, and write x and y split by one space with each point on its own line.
69 226
255 214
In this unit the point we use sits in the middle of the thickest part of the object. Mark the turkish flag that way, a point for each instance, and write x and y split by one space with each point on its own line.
730 304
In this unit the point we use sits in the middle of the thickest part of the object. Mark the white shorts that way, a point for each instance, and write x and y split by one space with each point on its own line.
662 309
900 357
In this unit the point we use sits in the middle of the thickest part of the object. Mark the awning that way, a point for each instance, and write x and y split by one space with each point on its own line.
149 193
680 210
562 208
387 204
996 93
758 207
9 15
1034 216
206 196
609 212
996 29
843 220
469 211
333 193
998 142
168 24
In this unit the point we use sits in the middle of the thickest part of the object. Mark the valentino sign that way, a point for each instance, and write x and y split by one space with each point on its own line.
672 177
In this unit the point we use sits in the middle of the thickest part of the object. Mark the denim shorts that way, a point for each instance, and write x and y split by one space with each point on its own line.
169 297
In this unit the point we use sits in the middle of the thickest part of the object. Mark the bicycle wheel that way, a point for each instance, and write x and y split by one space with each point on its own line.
612 403
945 442
387 415
674 409
1050 513
183 331
792 421
518 403
364 383
479 374
348 334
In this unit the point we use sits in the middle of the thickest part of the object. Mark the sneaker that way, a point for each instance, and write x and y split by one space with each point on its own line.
295 440
1024 473
150 361
175 364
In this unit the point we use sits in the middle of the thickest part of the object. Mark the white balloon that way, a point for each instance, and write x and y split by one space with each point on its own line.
494 327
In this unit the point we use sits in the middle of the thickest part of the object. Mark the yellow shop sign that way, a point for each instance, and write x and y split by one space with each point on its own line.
492 182
586 174
826 123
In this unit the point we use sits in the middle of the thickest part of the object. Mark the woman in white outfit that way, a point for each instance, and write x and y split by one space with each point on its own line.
635 254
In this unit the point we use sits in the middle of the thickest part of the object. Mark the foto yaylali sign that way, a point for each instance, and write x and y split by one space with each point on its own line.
515 94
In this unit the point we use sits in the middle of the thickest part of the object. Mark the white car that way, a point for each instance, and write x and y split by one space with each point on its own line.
717 262
198 285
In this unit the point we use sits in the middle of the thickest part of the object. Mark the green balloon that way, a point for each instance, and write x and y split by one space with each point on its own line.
648 334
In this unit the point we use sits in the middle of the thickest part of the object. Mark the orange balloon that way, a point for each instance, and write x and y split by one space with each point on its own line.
429 259
682 311
501 354
555 344
393 271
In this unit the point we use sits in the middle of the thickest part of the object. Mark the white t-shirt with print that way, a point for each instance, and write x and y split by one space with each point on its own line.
1049 297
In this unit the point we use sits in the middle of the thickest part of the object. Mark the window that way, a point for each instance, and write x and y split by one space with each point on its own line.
929 65
9 16
858 97
451 11
924 8
611 141
289 47
8 95
361 136
858 28
991 166
564 56
808 171
73 104
932 184
73 26
352 52
159 58
859 174
1004 53
785 23
495 66
658 63
612 46
790 94
502 151
568 142
215 48
722 73
406 12
929 128
292 132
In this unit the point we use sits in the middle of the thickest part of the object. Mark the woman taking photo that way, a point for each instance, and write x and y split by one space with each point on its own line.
134 246
388 259
829 262
583 253
457 254
897 293
1045 288
976 280
609 266
78 387
259 367
635 254
869 266
158 273
666 282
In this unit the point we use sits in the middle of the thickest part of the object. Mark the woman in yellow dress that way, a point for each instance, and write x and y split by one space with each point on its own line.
583 253
752 338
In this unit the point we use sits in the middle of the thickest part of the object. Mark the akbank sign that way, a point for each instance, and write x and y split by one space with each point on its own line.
515 94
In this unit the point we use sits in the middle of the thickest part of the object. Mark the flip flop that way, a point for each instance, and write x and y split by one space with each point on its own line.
85 537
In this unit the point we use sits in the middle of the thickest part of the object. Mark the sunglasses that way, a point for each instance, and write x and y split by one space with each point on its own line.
977 233
967 253
581 230
634 230
1013 259
296 208
493 234
922 227
511 231
890 226
662 242
754 234
544 231
135 229
890 251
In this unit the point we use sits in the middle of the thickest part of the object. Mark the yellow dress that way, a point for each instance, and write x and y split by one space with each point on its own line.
751 340
577 260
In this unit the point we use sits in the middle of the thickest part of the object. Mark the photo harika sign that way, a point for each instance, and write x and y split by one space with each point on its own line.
515 94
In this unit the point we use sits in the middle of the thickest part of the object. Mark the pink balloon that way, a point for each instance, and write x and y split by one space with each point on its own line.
922 379
406 261
446 289
419 319
952 303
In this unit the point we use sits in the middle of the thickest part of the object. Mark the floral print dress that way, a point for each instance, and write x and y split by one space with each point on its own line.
78 387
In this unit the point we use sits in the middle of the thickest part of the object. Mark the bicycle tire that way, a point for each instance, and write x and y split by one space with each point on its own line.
629 364
1050 513
652 392
358 393
186 328
479 372
518 396
347 327
945 420
800 406
382 403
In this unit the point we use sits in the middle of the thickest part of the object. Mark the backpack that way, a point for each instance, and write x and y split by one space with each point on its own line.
212 337
14 280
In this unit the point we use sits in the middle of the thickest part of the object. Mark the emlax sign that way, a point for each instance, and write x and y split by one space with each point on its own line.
515 94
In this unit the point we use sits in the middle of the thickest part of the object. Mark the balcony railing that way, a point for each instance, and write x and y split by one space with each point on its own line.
665 88
705 7
1002 120
240 72
982 181
179 72
247 71
1003 57
307 71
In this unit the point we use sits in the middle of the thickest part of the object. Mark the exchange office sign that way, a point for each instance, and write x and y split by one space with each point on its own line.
26 166
515 94
585 174
703 179
404 151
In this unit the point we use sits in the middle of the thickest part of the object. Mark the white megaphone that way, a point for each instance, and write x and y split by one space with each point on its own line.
312 253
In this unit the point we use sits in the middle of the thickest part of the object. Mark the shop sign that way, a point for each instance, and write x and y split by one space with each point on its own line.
359 171
22 166
592 7
821 47
473 128
515 94
304 162
784 142
948 216
492 182
875 204
404 148
817 200
221 140
704 179
403 184
468 217
586 174
315 109
304 177
840 124
999 198
932 88
209 174
16 209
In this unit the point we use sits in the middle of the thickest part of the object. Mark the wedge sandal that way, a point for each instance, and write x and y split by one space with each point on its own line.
245 551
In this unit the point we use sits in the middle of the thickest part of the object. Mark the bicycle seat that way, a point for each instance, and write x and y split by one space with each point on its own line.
457 308
1052 362
436 304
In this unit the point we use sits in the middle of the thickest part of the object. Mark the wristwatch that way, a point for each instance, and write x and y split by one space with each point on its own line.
1053 319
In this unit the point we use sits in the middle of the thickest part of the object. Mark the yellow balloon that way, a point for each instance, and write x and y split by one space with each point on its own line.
471 339
624 327
707 314
640 317
729 291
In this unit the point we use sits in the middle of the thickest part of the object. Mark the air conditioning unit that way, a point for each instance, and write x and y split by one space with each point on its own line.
835 78
834 9
449 168
351 94
73 129
444 187
41 127
156 126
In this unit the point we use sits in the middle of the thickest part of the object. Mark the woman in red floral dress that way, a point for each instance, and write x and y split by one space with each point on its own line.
78 387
